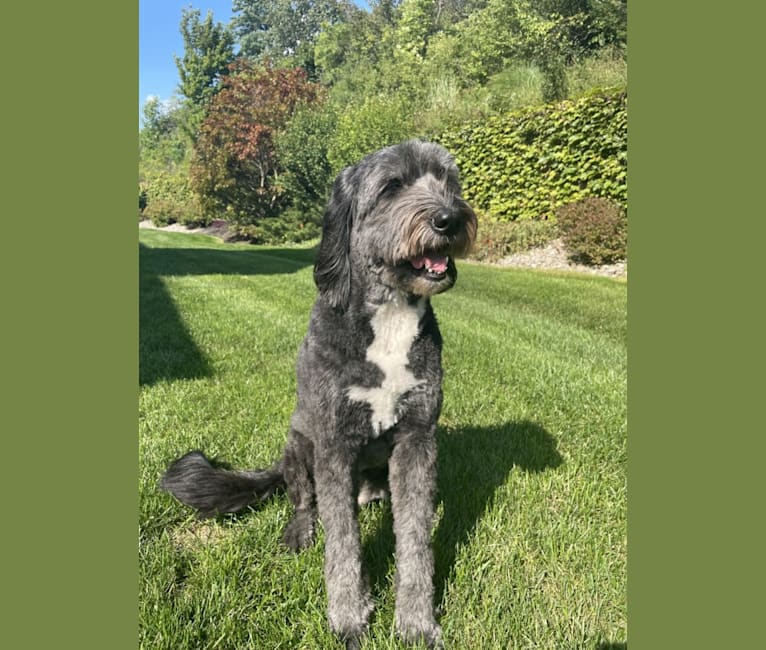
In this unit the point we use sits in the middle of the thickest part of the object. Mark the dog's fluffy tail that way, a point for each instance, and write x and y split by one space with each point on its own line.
193 480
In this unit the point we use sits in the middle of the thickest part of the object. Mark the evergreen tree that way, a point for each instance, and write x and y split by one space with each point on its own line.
208 52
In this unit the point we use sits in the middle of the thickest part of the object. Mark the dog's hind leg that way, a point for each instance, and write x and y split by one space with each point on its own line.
297 464
412 479
349 602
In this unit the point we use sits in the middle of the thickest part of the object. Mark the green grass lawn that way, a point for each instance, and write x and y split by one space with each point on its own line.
530 539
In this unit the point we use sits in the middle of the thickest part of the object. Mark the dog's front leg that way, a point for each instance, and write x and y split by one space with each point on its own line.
349 602
412 479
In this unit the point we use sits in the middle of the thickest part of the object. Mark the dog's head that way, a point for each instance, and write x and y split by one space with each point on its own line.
398 217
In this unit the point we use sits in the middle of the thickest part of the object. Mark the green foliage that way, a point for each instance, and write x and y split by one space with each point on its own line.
302 149
608 24
208 51
527 164
607 68
168 199
162 143
456 71
554 86
284 30
516 86
417 21
290 226
593 24
235 168
476 47
498 239
363 128
594 230
498 34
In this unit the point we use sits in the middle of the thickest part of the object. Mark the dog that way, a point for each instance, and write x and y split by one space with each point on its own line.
369 378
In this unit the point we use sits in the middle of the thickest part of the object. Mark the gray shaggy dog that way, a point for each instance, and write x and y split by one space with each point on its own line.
369 385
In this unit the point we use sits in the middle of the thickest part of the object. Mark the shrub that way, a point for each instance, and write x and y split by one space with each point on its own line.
168 199
378 122
302 152
291 226
525 165
594 230
498 239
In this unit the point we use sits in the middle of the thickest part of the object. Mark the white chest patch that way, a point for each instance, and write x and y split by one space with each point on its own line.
395 326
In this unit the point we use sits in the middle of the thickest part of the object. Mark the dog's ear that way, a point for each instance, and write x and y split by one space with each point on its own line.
332 268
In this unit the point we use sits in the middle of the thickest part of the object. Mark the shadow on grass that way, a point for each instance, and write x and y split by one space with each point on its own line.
473 463
212 261
166 348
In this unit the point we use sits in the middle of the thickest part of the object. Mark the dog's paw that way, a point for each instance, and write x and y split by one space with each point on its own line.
349 619
415 631
299 532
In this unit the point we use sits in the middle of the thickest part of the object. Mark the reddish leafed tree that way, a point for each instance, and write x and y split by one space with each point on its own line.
235 166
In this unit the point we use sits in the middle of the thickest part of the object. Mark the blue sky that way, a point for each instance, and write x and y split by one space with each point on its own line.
159 39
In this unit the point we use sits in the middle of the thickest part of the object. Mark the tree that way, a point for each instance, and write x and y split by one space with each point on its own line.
162 143
208 52
284 30
417 21
163 168
507 31
602 22
235 165
376 52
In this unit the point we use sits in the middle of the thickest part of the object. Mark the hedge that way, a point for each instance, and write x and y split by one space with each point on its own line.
525 165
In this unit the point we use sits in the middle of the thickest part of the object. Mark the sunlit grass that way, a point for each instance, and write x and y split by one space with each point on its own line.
530 540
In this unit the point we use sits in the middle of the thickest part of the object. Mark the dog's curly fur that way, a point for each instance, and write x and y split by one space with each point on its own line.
369 384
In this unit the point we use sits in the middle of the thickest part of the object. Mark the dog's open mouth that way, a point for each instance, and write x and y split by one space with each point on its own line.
431 265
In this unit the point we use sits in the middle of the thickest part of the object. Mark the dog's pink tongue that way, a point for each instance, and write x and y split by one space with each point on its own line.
438 263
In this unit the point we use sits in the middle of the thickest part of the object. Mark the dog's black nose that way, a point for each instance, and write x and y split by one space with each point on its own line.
442 221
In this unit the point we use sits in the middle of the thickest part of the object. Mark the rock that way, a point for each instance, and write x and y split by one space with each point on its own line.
553 256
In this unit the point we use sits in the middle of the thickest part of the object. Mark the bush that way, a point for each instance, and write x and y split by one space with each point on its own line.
168 199
291 226
378 122
594 230
302 151
527 164
499 239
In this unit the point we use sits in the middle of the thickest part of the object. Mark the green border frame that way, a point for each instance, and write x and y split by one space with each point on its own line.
71 314
695 239
70 341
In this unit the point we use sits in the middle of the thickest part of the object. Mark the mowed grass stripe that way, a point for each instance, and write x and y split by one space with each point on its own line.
530 539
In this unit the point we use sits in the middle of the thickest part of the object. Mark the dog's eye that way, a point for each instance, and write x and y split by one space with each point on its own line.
392 185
